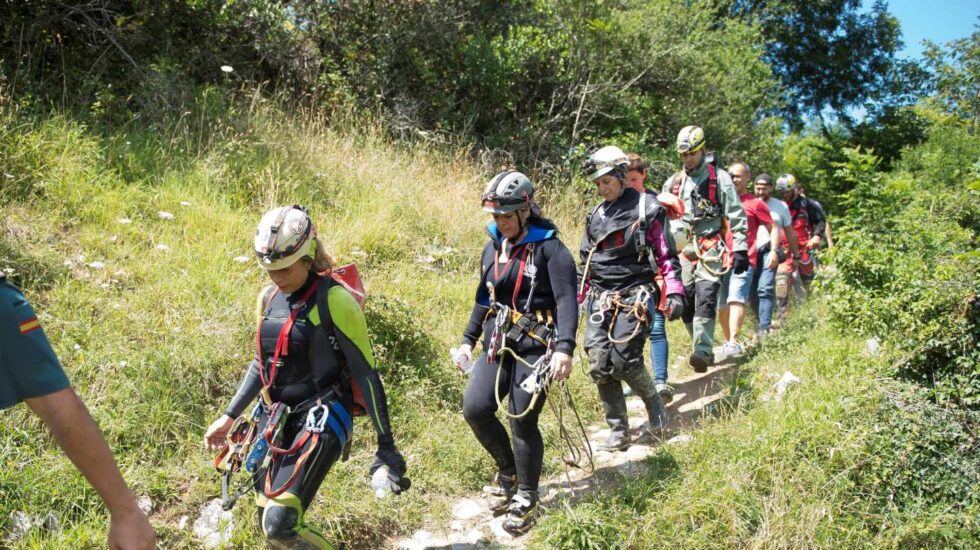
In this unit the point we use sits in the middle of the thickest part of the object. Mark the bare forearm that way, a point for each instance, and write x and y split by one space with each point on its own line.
80 438
794 247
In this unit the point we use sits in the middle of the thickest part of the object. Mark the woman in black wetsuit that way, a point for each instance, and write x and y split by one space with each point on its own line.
312 350
526 311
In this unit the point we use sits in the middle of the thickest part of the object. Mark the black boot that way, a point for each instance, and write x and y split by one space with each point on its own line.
614 406
501 492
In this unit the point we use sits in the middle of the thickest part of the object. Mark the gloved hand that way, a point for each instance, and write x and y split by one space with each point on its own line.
675 306
462 357
389 456
740 261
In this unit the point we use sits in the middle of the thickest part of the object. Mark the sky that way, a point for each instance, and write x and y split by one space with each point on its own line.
936 20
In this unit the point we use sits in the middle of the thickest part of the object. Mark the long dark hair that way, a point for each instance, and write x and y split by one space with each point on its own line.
538 219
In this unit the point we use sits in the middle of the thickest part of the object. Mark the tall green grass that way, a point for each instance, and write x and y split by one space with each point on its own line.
157 338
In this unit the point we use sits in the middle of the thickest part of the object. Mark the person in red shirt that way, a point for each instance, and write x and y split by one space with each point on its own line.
735 288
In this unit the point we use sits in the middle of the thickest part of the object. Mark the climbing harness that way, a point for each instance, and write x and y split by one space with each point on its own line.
258 448
632 302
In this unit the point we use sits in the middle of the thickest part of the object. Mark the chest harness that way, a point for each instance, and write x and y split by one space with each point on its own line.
710 248
260 446
634 300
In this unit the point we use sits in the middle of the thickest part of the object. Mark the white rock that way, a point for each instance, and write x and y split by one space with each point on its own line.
682 438
182 522
163 248
788 379
97 265
227 69
139 501
422 535
872 346
475 536
467 509
165 215
18 525
185 203
114 238
125 221
456 526
241 259
77 347
214 526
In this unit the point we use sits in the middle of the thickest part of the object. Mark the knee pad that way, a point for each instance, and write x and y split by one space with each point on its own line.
279 522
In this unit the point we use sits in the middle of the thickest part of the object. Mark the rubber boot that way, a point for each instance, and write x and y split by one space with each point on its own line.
501 492
644 387
614 407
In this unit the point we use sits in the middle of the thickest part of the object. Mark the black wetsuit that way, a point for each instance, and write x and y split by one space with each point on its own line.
554 292
316 363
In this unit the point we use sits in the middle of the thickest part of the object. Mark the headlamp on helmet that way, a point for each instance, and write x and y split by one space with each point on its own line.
284 236
609 160
786 182
507 192
690 139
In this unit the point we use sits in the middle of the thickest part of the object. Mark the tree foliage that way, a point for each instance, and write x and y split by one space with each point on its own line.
828 54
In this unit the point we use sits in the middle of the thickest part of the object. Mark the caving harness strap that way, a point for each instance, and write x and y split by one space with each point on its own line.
631 302
243 444
706 207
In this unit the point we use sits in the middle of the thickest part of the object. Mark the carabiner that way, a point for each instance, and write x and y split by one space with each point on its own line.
316 424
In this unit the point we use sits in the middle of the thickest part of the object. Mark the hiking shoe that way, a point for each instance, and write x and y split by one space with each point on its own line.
501 493
701 361
731 349
522 514
617 441
665 391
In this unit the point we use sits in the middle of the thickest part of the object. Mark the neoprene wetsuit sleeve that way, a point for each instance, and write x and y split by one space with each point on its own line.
247 391
561 273
475 325
665 254
352 336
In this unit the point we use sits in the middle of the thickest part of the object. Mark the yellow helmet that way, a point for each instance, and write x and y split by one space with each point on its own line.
690 139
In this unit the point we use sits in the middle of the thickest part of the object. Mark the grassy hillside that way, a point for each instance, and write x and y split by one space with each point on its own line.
152 318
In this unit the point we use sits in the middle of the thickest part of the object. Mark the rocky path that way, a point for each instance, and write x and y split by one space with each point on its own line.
473 526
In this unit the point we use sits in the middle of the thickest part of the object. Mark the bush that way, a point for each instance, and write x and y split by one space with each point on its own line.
907 272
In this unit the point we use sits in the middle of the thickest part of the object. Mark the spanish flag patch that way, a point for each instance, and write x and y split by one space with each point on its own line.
30 325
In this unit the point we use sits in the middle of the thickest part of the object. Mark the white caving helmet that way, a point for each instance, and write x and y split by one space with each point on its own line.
786 182
284 236
604 161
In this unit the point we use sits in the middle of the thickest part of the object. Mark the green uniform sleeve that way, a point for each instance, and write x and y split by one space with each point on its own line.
28 365
738 224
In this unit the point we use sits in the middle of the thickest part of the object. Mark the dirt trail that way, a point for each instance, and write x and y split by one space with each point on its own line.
473 526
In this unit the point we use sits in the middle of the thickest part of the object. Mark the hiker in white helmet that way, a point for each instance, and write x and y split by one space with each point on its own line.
313 365
624 247
712 207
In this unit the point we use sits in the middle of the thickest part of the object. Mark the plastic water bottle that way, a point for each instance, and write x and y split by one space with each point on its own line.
380 482
459 357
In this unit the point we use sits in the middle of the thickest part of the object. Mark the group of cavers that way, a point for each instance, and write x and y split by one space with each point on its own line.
704 244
